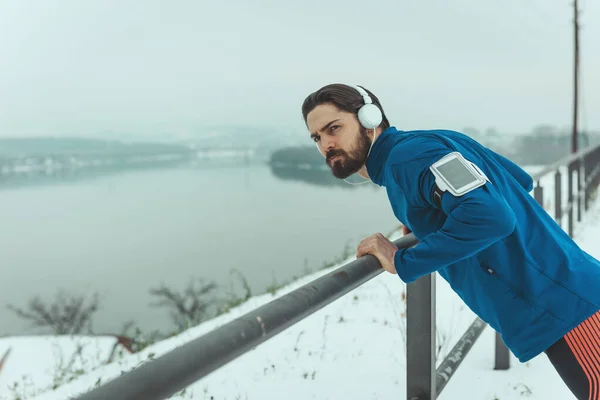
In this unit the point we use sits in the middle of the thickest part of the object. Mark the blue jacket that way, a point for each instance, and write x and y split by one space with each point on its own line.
496 246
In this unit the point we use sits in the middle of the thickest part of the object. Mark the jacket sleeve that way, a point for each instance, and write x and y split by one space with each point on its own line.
474 221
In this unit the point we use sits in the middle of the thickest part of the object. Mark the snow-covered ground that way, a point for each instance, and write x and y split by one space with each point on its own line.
354 348
35 363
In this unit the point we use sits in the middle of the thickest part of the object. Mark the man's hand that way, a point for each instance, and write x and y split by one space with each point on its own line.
405 230
380 247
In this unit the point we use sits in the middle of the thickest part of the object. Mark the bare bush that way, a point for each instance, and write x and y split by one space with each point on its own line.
188 308
68 314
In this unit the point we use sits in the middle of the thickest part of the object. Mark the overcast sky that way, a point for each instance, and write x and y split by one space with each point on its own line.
81 67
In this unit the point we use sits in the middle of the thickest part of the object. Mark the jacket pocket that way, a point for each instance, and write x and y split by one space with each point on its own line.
520 290
556 295
514 316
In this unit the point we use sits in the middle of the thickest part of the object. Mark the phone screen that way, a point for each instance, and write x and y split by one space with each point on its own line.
456 173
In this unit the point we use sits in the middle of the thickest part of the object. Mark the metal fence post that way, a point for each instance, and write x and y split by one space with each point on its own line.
580 177
595 160
588 169
420 339
502 354
558 197
538 193
570 169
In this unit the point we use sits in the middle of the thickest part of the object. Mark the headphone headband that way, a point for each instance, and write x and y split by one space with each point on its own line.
363 93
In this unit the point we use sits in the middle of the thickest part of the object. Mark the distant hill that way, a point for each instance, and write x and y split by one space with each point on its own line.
40 161
32 147
297 156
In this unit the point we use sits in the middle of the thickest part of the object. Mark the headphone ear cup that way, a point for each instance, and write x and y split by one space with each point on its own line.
370 116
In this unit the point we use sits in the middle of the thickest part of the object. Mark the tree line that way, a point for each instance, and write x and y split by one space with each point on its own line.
544 145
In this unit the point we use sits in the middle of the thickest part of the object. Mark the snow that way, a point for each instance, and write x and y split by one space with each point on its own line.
354 348
38 362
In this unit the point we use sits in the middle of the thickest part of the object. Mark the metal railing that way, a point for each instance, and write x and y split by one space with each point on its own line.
172 372
165 375
583 175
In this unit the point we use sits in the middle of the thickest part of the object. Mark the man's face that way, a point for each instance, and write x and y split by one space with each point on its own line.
340 138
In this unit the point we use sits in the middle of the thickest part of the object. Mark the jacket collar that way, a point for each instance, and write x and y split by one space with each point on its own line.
380 151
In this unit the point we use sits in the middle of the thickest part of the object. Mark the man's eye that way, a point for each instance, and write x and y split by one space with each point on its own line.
316 139
333 128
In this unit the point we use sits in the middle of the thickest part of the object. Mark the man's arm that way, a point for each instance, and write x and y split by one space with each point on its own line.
474 220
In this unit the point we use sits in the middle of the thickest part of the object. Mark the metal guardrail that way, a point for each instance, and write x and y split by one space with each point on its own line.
164 376
583 176
585 152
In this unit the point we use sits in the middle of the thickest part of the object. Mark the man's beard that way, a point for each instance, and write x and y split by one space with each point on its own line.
348 164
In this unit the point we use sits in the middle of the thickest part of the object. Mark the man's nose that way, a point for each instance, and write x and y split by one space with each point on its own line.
327 144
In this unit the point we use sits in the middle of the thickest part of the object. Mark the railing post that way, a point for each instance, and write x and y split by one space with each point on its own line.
570 169
595 160
580 177
502 354
538 193
588 169
420 339
558 197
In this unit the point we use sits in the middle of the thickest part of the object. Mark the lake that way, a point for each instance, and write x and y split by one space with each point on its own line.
122 233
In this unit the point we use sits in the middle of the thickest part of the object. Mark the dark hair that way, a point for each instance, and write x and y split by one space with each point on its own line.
344 97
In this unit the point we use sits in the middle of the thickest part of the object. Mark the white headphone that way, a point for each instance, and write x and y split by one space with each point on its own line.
369 114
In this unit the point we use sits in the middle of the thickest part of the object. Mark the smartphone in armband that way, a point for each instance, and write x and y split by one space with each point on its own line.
454 174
